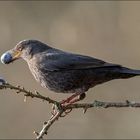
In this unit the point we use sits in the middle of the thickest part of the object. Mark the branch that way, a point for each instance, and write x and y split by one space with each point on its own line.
26 93
85 106
62 111
47 125
101 104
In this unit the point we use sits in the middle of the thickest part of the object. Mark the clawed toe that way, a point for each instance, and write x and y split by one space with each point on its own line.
64 103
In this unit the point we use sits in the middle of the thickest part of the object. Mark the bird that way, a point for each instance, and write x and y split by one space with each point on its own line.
65 72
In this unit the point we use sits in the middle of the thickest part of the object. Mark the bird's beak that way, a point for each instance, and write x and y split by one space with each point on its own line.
10 56
15 54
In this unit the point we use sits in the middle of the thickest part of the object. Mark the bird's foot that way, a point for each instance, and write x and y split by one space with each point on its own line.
55 109
66 112
64 103
72 99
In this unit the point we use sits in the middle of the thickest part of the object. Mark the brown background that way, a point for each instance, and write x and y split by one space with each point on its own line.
106 30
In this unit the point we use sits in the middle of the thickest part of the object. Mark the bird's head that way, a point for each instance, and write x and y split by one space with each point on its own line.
25 49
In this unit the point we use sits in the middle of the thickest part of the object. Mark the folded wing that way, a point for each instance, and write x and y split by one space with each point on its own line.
67 61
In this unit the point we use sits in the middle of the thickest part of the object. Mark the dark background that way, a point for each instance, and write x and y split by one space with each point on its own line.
109 30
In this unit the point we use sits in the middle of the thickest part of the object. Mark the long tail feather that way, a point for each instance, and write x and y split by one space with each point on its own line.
127 72
130 71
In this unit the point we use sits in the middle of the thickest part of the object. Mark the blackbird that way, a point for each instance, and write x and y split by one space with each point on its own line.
65 72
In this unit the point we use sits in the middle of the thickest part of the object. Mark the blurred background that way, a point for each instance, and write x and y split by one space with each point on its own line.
109 30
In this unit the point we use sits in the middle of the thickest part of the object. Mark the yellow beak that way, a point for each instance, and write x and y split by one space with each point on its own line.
15 54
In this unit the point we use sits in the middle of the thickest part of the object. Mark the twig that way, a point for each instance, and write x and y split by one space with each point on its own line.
86 106
101 104
60 110
19 89
48 124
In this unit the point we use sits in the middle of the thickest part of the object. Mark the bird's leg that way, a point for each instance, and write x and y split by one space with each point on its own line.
80 97
73 100
69 98
63 102
68 101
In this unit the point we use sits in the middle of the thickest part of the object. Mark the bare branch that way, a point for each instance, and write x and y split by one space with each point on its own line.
20 89
48 124
62 111
26 93
101 104
85 106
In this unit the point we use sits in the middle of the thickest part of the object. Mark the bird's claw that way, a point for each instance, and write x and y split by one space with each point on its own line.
64 103
63 106
66 112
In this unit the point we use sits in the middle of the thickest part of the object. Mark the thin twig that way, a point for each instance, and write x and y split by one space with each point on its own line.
48 124
20 89
100 104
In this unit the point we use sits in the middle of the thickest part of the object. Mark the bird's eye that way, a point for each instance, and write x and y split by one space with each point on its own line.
20 48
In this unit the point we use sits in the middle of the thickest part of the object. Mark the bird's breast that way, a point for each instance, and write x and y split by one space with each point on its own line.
35 71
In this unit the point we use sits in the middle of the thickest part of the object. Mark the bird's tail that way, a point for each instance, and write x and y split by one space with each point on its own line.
128 73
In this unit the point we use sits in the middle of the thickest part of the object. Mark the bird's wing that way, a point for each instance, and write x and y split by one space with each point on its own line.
68 61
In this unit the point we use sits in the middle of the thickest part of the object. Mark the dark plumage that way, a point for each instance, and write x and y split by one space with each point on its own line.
65 72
